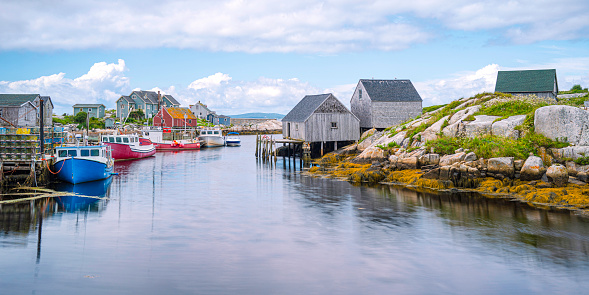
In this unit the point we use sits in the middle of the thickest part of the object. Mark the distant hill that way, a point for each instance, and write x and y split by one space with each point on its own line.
259 116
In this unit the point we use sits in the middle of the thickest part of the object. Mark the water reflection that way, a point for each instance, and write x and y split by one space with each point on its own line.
90 196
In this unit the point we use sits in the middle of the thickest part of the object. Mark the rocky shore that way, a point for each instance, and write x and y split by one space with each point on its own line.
539 157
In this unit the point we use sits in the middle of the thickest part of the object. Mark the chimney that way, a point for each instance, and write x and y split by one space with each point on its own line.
159 101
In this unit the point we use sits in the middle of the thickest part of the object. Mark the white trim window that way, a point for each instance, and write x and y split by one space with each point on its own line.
333 125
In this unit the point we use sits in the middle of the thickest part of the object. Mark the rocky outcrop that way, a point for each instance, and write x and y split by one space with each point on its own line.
570 152
369 155
560 122
506 127
429 159
533 169
479 127
502 166
558 175
456 120
431 133
371 136
451 159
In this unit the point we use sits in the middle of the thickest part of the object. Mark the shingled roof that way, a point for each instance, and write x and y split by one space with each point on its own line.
526 81
305 108
390 90
16 99
171 99
147 96
127 99
178 113
88 105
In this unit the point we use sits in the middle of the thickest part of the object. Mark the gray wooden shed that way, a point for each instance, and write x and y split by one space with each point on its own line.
384 103
321 118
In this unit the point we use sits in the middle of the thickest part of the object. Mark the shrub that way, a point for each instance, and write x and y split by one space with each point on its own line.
432 108
582 160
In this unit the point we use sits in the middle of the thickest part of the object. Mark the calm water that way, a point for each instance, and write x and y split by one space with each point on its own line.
216 222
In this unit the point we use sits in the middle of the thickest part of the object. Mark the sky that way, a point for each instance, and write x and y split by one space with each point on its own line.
241 56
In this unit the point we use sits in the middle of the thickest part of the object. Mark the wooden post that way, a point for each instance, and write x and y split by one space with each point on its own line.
322 149
335 145
275 159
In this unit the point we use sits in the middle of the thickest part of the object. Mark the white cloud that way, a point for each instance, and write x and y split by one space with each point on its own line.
442 91
102 84
227 96
280 26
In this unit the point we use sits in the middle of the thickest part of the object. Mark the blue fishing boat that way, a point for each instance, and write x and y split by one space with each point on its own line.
77 164
90 196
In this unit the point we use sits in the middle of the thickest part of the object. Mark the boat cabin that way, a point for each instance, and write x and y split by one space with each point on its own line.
211 132
82 152
121 139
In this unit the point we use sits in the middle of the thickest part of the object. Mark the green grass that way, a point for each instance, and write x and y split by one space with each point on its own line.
432 108
582 160
493 146
511 108
574 101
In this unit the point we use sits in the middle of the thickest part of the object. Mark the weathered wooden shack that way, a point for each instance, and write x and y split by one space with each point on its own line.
542 83
22 110
384 103
321 119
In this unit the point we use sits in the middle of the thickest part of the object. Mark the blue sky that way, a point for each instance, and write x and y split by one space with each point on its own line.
264 56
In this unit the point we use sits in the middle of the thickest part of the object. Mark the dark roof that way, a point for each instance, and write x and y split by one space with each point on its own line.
147 96
171 99
127 98
526 81
86 105
223 116
16 99
305 108
47 99
390 90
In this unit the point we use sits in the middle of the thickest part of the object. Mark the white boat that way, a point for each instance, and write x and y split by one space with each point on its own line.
212 136
232 139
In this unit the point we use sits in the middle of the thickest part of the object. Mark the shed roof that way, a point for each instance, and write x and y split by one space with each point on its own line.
87 105
305 108
147 96
16 99
178 113
390 90
526 81
172 99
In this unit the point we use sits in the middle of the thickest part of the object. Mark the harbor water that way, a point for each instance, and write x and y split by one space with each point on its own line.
216 221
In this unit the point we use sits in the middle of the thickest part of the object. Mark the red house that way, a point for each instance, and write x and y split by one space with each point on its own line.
175 117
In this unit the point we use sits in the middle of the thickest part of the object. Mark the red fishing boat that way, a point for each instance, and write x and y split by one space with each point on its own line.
173 141
129 146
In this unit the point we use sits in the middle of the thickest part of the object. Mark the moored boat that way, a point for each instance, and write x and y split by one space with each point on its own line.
232 139
212 137
172 144
78 164
129 146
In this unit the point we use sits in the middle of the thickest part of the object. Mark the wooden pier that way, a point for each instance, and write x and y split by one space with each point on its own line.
267 150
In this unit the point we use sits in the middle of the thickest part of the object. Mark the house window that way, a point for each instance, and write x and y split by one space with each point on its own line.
333 125
89 110
189 121
297 127
360 94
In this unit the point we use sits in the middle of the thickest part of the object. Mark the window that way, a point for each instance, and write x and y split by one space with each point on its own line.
105 139
89 110
189 121
111 139
125 139
85 153
63 153
118 139
360 94
333 125
95 153
72 153
296 127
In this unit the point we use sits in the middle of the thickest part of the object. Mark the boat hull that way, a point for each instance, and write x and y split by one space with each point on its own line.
177 147
128 152
233 142
213 141
74 170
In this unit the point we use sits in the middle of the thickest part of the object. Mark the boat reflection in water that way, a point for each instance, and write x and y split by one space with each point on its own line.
91 196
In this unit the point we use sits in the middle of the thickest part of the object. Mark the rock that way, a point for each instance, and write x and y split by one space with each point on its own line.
445 173
570 152
572 168
470 157
432 174
506 127
455 121
369 141
558 175
502 165
564 123
576 181
518 165
480 126
533 169
393 161
369 155
408 163
431 133
459 150
583 176
546 158
429 159
451 159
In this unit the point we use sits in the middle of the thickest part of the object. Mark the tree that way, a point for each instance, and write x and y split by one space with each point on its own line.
577 88
80 117
137 114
